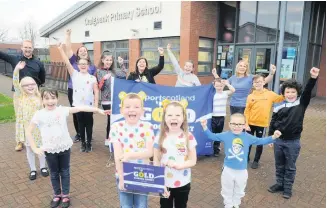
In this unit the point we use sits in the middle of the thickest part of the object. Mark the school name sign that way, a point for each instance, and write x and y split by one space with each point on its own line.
128 15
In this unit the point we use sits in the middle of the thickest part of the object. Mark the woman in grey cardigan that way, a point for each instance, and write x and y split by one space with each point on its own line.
103 74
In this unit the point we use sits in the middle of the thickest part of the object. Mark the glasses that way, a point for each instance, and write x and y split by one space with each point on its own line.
29 85
83 64
236 124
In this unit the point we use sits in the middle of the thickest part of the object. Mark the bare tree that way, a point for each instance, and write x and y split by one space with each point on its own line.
3 34
28 32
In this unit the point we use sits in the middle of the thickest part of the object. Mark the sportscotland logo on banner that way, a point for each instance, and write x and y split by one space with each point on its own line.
199 99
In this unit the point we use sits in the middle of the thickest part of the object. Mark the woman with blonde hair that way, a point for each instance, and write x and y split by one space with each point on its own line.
242 82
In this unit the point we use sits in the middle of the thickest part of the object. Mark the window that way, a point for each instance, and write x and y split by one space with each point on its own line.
293 23
87 33
149 50
157 25
267 21
90 51
246 24
205 55
227 22
118 48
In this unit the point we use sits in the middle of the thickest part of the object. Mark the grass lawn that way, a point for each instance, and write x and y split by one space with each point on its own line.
7 112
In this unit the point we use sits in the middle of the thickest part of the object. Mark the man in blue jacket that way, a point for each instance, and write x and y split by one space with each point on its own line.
34 67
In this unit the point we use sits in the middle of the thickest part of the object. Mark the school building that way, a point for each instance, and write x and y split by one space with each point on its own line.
211 34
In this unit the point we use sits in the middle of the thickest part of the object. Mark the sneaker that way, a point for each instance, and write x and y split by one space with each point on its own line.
287 194
275 188
88 147
255 165
32 176
55 202
19 146
83 147
44 172
77 138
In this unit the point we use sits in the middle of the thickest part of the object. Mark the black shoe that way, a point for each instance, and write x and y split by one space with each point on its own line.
275 188
32 176
287 194
55 204
255 165
44 172
88 147
83 147
77 138
67 203
216 154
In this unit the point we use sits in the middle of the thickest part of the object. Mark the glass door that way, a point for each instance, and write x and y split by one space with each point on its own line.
263 57
245 53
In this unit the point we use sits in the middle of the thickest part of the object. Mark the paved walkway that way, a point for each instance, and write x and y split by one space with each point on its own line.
93 184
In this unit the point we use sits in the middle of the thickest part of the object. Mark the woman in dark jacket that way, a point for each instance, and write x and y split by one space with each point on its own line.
142 73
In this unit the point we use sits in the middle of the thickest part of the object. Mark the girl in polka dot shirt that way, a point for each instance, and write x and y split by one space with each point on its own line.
133 142
175 149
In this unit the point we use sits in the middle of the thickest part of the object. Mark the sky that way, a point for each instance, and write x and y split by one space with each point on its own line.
14 13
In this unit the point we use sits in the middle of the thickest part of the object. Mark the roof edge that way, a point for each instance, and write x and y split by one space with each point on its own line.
73 12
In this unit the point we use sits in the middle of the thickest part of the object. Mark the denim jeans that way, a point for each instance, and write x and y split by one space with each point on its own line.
235 109
132 200
58 164
286 154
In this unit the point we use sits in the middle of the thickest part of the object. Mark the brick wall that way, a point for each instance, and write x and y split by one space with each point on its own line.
97 50
55 55
11 46
134 53
321 89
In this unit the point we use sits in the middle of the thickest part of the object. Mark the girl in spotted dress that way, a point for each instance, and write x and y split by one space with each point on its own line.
28 101
133 142
175 149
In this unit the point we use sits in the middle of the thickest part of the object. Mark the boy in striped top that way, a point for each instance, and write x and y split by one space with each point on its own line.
219 109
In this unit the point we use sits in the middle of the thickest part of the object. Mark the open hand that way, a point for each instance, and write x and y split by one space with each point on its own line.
21 65
203 123
161 51
272 69
314 72
120 60
277 134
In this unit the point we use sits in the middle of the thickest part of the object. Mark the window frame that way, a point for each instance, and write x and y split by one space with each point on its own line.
210 50
115 50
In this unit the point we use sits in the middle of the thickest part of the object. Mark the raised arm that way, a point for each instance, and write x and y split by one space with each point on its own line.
214 73
88 109
70 68
157 69
68 43
209 134
270 77
96 94
15 78
277 98
231 89
8 58
306 94
265 140
122 72
173 60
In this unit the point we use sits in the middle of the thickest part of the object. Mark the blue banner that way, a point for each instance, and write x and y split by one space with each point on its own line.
200 105
144 178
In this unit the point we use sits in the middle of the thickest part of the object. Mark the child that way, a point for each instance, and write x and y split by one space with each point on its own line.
175 148
27 99
185 76
103 74
234 176
288 117
133 142
219 109
257 112
86 92
142 73
82 52
56 142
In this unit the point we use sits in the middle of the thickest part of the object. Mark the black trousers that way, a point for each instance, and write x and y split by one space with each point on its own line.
70 98
217 125
107 107
85 122
258 131
178 197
